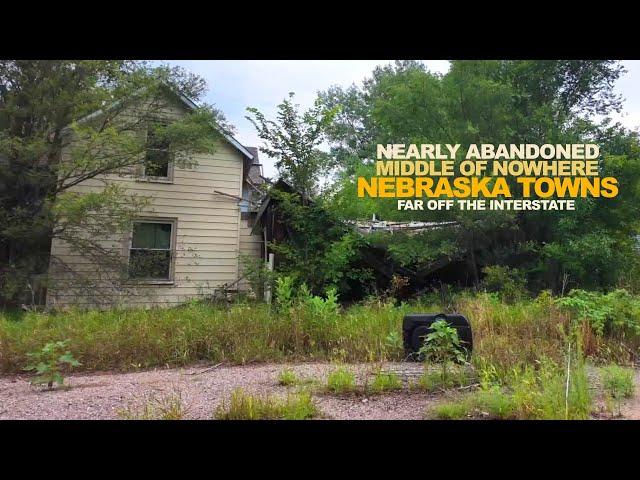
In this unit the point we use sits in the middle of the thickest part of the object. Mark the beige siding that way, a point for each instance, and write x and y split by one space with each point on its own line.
250 245
208 234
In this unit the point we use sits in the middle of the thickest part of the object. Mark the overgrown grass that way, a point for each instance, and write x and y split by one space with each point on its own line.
528 393
506 336
244 406
137 339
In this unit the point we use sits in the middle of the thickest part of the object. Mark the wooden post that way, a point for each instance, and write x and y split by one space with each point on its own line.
267 290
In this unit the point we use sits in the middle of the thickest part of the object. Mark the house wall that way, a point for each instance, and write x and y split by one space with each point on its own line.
250 245
209 235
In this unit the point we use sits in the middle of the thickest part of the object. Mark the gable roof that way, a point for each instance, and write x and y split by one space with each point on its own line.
191 105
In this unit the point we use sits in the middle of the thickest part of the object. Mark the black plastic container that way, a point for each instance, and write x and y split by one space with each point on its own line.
416 326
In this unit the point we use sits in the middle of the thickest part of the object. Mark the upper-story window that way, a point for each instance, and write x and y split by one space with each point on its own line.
158 161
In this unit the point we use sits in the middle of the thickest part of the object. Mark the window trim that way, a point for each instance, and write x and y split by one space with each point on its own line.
128 245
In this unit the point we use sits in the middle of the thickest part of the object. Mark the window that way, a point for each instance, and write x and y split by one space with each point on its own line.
157 161
151 250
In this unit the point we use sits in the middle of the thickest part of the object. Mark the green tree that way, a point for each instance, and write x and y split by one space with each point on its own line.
293 140
491 102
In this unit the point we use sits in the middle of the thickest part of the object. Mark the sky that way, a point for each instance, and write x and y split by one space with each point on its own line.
235 85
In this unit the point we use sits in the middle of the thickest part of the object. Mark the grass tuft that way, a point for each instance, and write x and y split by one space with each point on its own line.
432 380
385 382
244 406
288 377
341 380
165 408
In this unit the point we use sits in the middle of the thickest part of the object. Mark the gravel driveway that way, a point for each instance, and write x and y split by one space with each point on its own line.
201 389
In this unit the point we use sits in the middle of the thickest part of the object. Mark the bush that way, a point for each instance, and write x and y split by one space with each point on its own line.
243 406
49 362
442 346
618 384
618 381
257 274
617 312
509 283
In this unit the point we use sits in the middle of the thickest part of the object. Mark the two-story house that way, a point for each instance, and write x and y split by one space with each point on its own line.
196 227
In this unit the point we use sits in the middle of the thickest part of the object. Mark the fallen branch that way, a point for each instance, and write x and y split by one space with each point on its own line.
468 386
205 370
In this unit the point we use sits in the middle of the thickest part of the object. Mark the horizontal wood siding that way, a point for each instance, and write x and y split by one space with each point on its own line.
209 234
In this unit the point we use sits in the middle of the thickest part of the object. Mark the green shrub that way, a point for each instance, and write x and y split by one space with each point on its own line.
284 292
49 362
442 346
257 274
384 382
243 406
618 384
341 380
508 283
618 381
611 313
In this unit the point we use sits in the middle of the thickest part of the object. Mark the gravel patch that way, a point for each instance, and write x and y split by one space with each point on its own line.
201 389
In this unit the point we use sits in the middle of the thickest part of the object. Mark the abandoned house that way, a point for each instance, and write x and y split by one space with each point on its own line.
197 226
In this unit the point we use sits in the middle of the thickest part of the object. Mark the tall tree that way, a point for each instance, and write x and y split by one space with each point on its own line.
293 140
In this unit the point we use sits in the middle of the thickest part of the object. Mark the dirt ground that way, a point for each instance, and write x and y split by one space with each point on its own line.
202 388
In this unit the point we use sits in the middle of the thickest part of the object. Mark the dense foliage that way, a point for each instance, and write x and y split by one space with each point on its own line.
497 102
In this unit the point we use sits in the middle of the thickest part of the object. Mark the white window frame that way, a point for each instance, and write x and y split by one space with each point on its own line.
172 249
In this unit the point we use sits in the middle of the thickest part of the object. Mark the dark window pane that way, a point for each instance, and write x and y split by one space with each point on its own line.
150 264
151 235
163 235
157 156
156 163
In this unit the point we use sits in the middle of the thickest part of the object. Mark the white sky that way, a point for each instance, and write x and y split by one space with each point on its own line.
235 85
